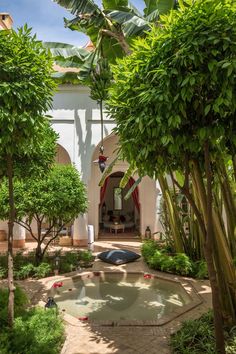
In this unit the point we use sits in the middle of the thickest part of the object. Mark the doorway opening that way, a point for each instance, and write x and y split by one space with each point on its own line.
118 217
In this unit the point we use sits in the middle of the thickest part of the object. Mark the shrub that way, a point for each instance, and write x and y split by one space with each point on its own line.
182 264
231 345
179 264
148 249
71 258
66 267
25 271
36 331
43 270
200 270
85 256
20 303
3 272
160 259
197 337
155 260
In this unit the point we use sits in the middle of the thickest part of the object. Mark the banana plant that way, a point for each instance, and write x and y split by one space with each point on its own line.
111 28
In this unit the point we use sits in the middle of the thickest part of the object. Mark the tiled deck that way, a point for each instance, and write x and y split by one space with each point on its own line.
88 338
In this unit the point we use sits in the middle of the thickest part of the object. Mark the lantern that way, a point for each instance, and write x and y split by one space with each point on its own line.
148 233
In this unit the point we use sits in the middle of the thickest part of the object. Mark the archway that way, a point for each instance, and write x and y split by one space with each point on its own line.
62 156
118 215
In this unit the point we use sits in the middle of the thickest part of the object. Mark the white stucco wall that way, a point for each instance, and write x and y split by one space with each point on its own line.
76 118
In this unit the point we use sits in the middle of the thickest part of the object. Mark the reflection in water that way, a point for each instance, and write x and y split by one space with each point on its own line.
114 298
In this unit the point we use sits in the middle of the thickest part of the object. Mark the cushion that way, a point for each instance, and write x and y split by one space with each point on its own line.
118 256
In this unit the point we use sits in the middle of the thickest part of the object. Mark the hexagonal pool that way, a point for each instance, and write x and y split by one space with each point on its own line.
120 297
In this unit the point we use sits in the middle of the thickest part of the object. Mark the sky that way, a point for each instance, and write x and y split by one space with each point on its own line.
46 19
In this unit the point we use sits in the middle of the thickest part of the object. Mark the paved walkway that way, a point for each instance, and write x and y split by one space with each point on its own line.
86 338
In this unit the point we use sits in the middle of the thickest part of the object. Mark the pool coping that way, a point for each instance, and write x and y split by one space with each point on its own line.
186 284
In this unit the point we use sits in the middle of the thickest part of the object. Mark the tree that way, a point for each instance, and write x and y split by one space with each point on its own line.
111 28
56 197
25 94
174 103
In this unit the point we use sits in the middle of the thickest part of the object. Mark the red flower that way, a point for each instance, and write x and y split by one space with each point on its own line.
57 284
147 276
102 158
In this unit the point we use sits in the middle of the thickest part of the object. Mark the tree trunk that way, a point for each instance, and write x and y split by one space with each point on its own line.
208 250
234 166
38 254
11 218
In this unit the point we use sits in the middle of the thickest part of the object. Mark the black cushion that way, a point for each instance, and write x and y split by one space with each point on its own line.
118 256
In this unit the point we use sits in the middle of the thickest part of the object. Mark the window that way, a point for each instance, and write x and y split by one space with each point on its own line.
117 197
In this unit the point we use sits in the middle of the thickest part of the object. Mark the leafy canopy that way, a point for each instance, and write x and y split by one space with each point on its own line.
26 89
177 89
58 197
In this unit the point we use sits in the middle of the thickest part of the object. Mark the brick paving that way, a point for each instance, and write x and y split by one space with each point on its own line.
86 338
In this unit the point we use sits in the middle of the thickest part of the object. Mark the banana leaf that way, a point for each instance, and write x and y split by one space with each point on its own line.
79 6
130 191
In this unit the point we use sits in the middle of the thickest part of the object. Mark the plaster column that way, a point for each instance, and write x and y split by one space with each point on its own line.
80 231
18 236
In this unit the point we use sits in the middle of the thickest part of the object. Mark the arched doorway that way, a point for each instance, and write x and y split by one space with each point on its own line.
147 193
118 215
62 156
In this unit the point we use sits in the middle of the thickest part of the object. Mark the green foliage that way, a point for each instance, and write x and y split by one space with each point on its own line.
25 271
200 270
26 91
85 257
57 197
160 259
148 249
21 301
231 343
182 75
3 273
197 337
182 264
25 266
43 270
35 331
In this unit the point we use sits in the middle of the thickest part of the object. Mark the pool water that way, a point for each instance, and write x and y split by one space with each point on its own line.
117 296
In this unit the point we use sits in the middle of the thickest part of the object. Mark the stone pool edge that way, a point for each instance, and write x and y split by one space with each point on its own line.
186 283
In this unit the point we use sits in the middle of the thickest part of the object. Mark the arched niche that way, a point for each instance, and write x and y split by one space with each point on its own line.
62 156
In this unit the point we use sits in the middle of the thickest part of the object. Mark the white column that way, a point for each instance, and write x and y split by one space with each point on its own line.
80 231
18 236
